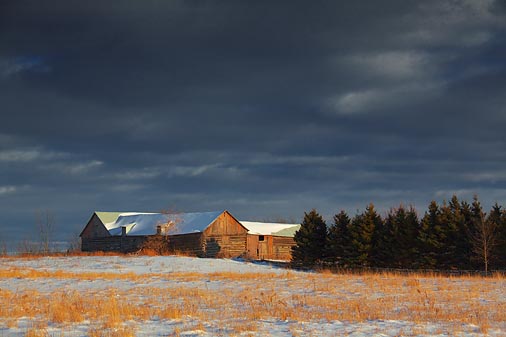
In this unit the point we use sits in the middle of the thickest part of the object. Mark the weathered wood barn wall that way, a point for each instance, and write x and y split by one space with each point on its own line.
226 237
270 241
223 236
94 229
270 247
205 234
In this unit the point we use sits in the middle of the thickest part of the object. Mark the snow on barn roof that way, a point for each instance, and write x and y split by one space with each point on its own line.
141 223
107 217
266 228
147 223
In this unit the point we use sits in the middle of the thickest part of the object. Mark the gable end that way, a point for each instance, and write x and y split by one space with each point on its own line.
94 228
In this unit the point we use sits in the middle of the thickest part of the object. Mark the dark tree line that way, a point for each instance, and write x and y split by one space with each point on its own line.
451 235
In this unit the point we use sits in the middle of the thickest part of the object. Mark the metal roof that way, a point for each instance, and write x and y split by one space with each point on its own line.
107 217
269 228
138 223
147 223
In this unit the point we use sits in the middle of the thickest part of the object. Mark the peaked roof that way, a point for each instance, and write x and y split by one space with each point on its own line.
147 223
107 217
269 228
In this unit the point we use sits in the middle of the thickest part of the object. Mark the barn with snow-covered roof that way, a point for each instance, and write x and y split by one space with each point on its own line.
207 234
270 241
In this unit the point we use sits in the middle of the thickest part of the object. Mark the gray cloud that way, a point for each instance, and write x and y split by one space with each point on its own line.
260 108
7 189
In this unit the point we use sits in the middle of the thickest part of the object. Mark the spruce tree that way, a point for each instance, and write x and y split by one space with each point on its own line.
407 234
386 244
364 230
310 240
465 249
501 242
399 246
338 240
431 237
493 223
452 222
447 253
477 215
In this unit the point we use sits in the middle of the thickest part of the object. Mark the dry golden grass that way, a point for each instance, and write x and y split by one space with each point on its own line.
36 333
241 300
17 272
142 252
104 331
58 254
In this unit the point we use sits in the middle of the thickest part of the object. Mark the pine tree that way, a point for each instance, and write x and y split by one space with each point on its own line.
456 247
310 240
501 242
386 244
398 245
338 240
465 249
407 234
364 230
431 237
493 223
447 258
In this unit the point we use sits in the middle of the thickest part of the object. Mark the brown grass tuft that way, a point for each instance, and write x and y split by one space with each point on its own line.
241 300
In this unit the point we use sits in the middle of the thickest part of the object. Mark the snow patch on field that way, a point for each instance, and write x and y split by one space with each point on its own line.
162 273
141 265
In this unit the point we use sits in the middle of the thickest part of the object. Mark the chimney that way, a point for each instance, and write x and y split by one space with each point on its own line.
123 231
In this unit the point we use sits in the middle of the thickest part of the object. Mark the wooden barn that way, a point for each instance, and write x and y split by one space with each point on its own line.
205 234
270 241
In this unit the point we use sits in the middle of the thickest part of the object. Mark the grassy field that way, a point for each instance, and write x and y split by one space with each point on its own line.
88 301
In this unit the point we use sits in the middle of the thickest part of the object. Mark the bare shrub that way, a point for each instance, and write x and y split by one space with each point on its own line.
45 224
155 245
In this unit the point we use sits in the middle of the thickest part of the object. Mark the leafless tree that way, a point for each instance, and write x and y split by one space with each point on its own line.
171 225
160 243
45 222
3 248
27 247
483 239
74 243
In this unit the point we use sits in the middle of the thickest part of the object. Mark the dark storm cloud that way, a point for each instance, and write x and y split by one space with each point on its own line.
263 108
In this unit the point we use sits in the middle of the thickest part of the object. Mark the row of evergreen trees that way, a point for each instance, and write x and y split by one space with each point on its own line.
454 235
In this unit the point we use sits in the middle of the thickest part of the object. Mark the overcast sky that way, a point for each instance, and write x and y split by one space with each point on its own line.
264 108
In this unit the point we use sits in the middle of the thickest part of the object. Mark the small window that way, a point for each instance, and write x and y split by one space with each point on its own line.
261 238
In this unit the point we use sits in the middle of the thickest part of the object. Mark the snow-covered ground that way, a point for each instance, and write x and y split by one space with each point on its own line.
245 299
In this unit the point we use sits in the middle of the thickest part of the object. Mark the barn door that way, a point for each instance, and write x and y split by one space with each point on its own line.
262 248
264 254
